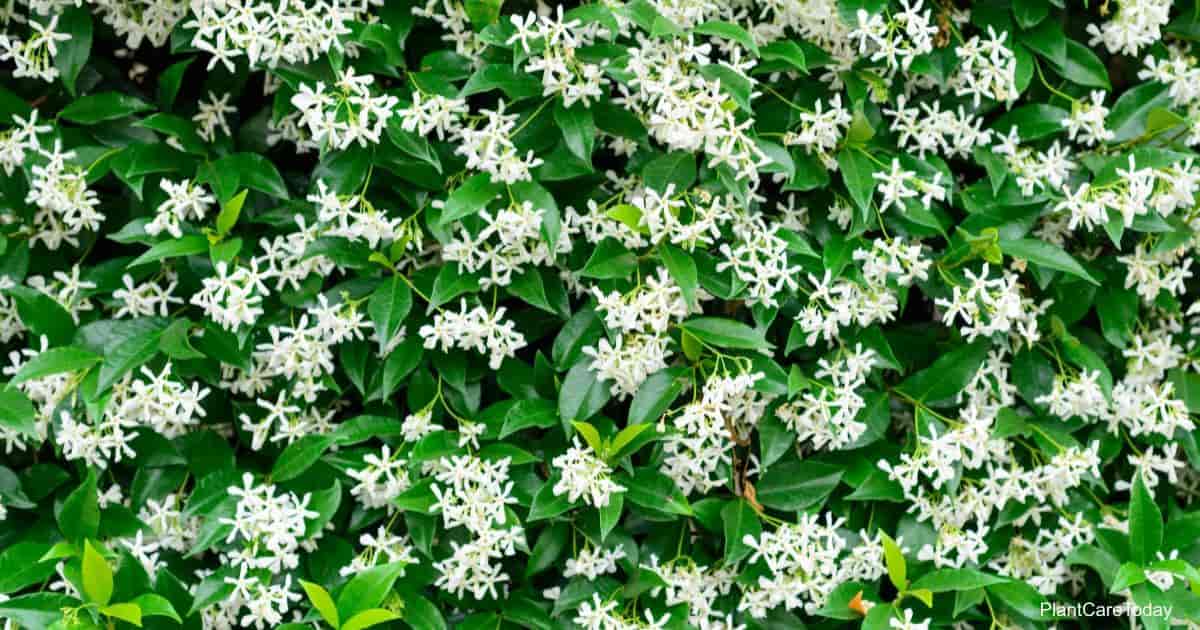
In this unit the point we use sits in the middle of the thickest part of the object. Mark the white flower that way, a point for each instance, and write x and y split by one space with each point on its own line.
585 476
1087 121
185 201
35 56
476 330
382 479
211 116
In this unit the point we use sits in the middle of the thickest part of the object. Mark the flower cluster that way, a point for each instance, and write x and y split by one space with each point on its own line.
627 314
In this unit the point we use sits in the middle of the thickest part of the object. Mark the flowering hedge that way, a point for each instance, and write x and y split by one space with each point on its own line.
651 314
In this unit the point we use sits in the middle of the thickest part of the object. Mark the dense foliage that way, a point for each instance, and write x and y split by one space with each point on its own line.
718 314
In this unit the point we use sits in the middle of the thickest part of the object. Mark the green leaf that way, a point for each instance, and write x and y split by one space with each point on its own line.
1033 121
625 438
1187 388
1046 255
253 171
524 414
1130 113
344 172
36 610
421 614
79 518
154 605
544 201
780 159
860 131
1103 562
797 485
188 245
472 196
530 286
413 145
299 456
1128 575
42 315
175 341
55 361
732 32
877 487
897 568
546 504
1020 597
367 589
675 170
1047 40
609 260
879 617
578 129
128 611
368 618
923 594
740 520
732 82
1083 67
230 211
631 216
501 450
654 397
682 269
1030 13
725 333
73 53
1161 119
610 514
481 14
1145 523
515 85
582 394
418 498
169 82
948 375
322 602
97 108
947 580
389 306
786 51
97 576
653 490
26 563
126 356
1118 311
858 173
591 436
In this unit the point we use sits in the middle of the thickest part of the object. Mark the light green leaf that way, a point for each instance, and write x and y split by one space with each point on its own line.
188 245
893 557
97 576
154 605
128 611
368 618
230 211
322 602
